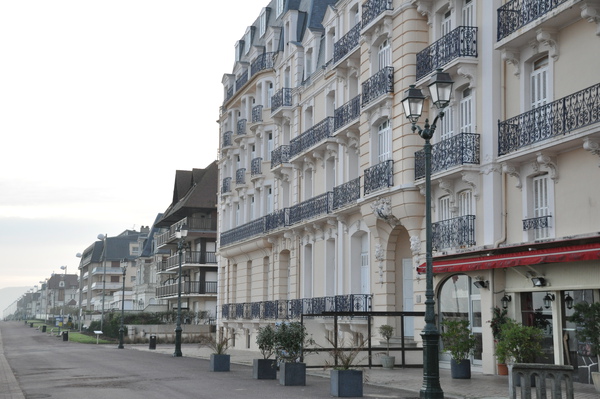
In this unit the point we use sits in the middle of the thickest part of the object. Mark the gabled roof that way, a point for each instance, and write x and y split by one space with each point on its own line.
149 249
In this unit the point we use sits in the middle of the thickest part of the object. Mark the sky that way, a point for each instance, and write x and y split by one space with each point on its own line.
100 103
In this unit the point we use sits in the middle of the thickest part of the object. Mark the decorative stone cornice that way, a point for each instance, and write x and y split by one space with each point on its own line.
549 163
470 73
591 146
512 57
471 178
547 38
382 209
591 13
511 170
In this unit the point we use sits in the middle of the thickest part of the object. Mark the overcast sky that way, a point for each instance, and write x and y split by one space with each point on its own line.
100 103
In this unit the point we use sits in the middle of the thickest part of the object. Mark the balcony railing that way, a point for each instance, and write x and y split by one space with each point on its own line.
347 113
372 8
229 94
346 193
460 149
280 155
283 98
262 62
227 139
241 127
316 206
461 42
257 113
109 270
241 80
256 167
518 13
316 134
537 223
453 233
347 43
243 232
191 258
199 224
240 176
226 188
379 176
188 288
277 219
551 120
287 309
377 85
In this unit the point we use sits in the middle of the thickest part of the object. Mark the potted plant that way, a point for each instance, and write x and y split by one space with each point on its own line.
219 359
499 318
345 379
289 338
587 319
265 368
460 342
519 344
386 331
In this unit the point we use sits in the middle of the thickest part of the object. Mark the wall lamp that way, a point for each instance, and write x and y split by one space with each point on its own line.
505 300
568 301
548 299
538 281
481 284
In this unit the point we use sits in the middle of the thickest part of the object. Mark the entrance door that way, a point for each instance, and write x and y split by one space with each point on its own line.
407 296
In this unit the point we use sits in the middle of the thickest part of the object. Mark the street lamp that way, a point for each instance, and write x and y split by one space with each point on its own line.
181 233
103 237
440 89
122 328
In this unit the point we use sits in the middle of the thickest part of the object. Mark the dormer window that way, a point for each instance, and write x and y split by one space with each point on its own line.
279 7
262 27
247 41
238 46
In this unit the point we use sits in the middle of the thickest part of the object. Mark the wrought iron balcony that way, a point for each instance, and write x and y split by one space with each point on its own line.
283 98
453 233
256 167
240 176
379 176
555 119
316 206
518 13
277 219
460 149
347 113
346 193
262 62
538 223
229 94
257 113
226 187
372 8
316 134
243 232
241 127
461 42
187 288
347 43
377 85
228 139
287 309
280 155
241 81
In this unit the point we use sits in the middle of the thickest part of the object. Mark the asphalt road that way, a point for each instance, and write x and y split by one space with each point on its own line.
47 367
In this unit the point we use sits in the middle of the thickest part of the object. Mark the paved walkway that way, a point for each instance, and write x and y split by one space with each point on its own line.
9 387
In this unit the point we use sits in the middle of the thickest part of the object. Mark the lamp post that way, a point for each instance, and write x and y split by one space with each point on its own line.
103 237
122 328
181 233
440 89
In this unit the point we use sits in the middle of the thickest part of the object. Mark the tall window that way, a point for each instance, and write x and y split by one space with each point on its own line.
384 137
466 112
539 83
540 203
269 204
263 22
279 7
467 13
251 207
384 54
248 41
269 145
447 124
444 208
446 26
269 95
465 203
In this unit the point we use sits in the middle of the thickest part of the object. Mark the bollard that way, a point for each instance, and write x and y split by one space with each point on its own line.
152 342
44 329
30 325
65 335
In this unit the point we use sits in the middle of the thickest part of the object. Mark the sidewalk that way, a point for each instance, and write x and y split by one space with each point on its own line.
410 379
9 387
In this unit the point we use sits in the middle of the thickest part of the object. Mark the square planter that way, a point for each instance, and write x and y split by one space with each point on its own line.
460 370
264 369
219 362
347 383
292 374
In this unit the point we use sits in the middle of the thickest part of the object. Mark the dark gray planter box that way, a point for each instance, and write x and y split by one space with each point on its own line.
460 370
292 374
347 383
264 369
219 362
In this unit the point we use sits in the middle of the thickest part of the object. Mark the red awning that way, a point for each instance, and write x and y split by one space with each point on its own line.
571 253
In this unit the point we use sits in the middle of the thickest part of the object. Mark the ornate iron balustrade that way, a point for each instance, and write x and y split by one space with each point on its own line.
347 113
188 288
379 176
240 176
319 132
277 219
226 188
293 308
262 62
229 94
283 98
316 206
551 120
241 80
538 223
227 139
280 155
346 193
347 43
256 167
380 83
257 113
243 232
518 13
460 42
453 233
372 8
241 127
460 149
